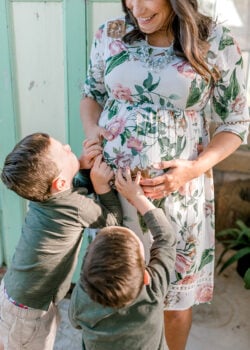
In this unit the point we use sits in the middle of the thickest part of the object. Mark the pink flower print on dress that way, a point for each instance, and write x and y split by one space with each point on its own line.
183 263
208 209
122 93
193 115
204 293
238 104
99 34
116 127
188 279
185 69
123 160
237 46
116 47
188 188
199 147
134 143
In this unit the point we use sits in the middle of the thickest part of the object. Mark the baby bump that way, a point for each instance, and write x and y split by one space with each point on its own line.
143 136
131 150
135 141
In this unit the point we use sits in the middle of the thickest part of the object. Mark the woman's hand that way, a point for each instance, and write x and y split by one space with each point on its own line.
181 171
178 174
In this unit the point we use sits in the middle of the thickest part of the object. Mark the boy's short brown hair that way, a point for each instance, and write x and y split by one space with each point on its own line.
113 268
28 170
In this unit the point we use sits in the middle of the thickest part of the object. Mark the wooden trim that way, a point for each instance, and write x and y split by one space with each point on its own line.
11 206
103 1
75 65
35 0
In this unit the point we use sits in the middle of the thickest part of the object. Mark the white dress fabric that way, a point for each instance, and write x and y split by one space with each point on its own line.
156 107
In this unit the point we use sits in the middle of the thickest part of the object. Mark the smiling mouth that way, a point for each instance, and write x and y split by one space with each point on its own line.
144 20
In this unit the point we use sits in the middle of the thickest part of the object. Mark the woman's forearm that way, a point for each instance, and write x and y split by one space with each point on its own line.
181 171
90 112
220 147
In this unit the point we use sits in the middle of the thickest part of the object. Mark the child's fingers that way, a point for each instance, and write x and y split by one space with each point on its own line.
138 178
96 148
104 170
98 161
91 142
94 153
84 143
119 179
110 175
127 174
105 167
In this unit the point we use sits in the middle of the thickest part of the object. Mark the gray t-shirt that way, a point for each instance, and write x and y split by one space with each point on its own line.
138 326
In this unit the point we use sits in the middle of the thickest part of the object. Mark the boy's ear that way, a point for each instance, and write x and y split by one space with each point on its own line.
58 184
146 278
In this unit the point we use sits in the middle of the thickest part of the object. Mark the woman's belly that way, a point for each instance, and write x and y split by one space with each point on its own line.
142 136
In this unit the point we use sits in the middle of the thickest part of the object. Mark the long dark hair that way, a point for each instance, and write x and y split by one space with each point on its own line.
190 29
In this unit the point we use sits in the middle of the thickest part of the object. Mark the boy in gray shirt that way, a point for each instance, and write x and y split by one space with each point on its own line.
118 301
43 170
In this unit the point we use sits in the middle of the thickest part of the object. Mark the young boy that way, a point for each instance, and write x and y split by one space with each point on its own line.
42 170
118 301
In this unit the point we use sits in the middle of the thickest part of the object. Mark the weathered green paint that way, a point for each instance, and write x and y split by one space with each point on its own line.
75 53
36 0
108 1
77 41
1 241
11 206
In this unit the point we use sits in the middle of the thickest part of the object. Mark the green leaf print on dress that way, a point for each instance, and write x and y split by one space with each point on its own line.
227 94
207 257
196 92
226 40
116 60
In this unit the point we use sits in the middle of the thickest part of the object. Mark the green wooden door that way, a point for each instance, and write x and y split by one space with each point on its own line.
46 47
11 206
42 62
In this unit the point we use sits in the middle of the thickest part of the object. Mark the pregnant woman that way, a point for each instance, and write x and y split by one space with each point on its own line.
156 78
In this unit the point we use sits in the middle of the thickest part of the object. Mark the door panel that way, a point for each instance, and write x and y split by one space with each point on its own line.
39 83
11 206
39 67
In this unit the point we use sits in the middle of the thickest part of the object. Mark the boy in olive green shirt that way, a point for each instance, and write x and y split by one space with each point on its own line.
43 170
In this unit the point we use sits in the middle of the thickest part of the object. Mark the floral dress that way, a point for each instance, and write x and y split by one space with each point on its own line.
156 107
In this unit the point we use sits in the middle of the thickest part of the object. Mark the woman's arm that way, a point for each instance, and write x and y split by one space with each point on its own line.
181 171
90 112
220 147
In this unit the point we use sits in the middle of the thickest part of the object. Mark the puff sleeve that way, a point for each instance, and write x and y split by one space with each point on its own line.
94 86
229 99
